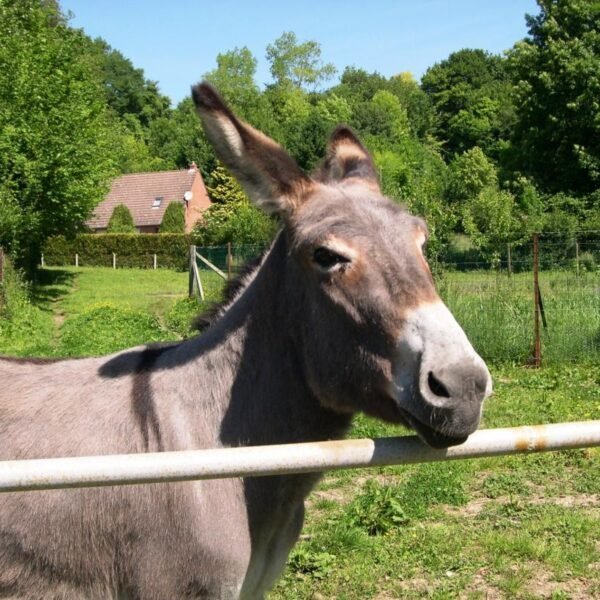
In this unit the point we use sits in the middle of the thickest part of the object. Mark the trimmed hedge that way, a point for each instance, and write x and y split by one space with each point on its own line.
132 250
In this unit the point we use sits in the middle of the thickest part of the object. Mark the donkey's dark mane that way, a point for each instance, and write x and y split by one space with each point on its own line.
232 288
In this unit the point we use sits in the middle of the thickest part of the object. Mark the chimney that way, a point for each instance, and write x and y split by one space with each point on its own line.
193 166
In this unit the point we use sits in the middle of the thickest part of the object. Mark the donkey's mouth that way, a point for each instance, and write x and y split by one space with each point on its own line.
432 437
438 440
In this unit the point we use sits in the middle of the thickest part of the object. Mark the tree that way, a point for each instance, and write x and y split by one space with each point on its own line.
471 95
231 217
55 132
178 139
489 220
234 78
357 85
174 218
298 64
383 118
470 172
127 90
415 101
121 221
556 69
224 189
414 174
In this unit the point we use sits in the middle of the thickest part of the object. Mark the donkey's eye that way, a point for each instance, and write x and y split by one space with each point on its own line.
328 259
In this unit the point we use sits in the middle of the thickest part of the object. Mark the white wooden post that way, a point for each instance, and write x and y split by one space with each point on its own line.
114 260
154 263
76 259
43 263
192 276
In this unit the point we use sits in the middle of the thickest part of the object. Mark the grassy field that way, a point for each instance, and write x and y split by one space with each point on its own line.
519 527
496 311
86 311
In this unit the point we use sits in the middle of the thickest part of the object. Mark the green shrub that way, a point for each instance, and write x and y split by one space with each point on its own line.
134 251
377 509
25 330
239 223
179 319
587 262
174 219
304 561
121 221
107 329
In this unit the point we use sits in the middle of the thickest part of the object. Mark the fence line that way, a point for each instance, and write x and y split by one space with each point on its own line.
109 470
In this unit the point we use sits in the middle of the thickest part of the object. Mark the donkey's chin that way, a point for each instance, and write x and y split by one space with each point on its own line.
438 440
432 437
389 409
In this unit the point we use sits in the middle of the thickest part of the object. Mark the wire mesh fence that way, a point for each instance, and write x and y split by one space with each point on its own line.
494 300
232 258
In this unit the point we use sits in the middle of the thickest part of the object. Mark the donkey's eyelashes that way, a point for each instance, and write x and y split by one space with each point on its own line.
328 259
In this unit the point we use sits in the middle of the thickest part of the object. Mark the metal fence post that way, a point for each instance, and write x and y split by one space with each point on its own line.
229 260
509 260
577 257
537 350
1 265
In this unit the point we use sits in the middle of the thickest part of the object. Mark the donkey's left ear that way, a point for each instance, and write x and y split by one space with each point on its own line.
268 174
346 157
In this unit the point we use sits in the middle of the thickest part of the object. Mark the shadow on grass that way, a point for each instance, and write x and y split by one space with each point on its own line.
51 285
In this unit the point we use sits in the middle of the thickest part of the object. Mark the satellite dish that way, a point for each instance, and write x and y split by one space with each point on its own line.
188 196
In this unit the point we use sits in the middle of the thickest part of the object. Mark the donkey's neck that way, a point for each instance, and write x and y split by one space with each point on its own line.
268 400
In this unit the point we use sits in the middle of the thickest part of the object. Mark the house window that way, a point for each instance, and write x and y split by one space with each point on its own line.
157 202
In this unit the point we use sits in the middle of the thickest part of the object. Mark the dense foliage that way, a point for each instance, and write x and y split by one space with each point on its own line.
55 134
232 218
174 219
488 146
557 75
138 250
121 220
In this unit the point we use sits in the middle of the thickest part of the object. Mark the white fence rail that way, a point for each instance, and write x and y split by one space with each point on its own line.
50 473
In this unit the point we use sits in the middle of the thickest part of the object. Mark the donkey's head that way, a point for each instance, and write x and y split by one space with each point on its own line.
372 333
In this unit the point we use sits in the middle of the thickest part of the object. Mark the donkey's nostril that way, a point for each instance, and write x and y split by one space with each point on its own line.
436 386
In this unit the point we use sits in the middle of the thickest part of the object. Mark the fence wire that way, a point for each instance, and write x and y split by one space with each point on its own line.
494 301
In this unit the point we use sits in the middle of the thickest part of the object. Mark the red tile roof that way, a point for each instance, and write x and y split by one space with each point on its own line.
138 191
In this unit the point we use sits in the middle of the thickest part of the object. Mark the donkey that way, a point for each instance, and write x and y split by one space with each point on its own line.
340 316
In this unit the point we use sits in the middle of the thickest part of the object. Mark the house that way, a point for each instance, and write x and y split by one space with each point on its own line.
147 196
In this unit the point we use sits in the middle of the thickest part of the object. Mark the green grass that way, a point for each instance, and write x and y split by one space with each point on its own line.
87 311
25 329
497 314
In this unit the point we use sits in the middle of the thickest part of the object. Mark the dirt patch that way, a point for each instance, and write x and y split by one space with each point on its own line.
166 294
475 507
481 586
415 584
348 490
337 495
542 586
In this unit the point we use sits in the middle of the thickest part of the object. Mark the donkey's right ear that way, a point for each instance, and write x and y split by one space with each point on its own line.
347 158
268 174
